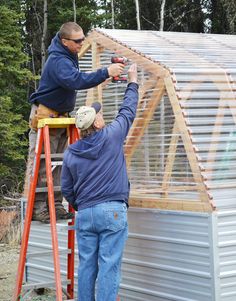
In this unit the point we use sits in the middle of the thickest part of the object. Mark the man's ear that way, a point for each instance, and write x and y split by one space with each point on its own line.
64 42
96 124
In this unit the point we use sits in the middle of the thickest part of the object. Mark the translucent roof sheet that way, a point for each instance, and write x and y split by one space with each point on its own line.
182 146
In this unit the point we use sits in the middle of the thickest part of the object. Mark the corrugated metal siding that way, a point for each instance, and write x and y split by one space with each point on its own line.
40 268
226 246
167 256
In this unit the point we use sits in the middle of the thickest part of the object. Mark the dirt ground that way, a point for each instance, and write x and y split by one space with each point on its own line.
8 267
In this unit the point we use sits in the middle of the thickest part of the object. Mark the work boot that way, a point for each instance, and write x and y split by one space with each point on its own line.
61 213
42 217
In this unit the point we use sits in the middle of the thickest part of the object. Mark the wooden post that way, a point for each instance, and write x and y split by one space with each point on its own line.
95 94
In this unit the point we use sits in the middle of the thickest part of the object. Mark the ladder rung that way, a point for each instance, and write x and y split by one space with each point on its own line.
53 156
44 253
56 163
43 284
45 189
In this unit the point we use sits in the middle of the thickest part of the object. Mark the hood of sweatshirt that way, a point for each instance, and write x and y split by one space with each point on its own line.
89 147
57 48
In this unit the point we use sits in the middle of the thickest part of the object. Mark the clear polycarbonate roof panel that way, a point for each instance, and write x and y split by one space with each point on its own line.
203 71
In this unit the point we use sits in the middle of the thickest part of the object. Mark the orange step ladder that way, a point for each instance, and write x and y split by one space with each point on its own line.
43 139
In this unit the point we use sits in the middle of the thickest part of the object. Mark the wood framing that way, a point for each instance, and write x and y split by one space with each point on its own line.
141 60
193 161
142 120
160 79
170 159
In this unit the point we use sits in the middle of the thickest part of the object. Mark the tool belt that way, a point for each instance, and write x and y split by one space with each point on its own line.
42 112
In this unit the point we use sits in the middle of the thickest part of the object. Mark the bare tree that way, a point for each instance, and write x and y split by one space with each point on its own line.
163 3
45 28
74 10
137 14
112 15
33 67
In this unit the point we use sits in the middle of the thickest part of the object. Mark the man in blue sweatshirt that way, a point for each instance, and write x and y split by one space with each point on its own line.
94 181
55 97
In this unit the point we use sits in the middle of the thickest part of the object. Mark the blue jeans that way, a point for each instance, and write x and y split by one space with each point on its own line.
101 232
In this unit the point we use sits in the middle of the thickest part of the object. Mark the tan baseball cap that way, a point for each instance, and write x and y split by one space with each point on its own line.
85 115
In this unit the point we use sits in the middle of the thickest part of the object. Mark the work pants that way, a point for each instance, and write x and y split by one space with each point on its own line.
101 232
58 143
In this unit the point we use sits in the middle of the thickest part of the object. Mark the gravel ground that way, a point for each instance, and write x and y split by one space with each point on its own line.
8 267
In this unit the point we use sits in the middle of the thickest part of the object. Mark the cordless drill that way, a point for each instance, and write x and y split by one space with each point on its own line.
121 60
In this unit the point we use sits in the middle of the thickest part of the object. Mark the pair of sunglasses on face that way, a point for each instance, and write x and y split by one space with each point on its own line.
77 41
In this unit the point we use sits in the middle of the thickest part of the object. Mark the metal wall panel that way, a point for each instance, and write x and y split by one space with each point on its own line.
168 256
40 269
226 247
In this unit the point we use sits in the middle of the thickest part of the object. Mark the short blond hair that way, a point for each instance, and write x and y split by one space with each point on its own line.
67 29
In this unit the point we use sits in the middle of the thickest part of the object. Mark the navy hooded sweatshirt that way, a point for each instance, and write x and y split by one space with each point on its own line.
61 78
94 168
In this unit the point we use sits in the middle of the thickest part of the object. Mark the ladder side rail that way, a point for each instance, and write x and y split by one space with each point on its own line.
52 212
71 260
73 136
28 216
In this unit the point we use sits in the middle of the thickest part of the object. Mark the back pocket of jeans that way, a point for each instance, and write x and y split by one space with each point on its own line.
115 218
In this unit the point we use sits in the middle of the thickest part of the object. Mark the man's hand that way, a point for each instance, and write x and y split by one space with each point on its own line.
132 73
115 69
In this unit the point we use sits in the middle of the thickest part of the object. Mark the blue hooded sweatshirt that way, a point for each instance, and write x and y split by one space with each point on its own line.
61 77
94 168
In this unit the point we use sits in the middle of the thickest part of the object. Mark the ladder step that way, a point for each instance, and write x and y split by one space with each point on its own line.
45 253
56 163
45 189
53 156
29 286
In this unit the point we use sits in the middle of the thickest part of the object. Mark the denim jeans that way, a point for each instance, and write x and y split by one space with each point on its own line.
101 232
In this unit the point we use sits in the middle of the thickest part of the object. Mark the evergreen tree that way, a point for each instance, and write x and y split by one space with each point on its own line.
13 92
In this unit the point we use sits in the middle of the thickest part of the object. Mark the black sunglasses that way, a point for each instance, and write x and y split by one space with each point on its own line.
77 41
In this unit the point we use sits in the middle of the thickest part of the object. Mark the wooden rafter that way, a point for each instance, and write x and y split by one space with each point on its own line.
170 158
223 104
86 46
142 61
142 120
193 161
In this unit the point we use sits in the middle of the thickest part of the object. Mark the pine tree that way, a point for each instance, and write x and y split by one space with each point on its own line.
13 92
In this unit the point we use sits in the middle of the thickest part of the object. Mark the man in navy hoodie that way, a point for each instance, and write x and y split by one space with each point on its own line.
94 181
55 97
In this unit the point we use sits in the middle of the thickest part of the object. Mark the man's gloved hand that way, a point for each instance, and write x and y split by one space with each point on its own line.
133 74
115 69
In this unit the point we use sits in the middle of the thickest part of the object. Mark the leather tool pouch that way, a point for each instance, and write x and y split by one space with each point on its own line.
41 112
